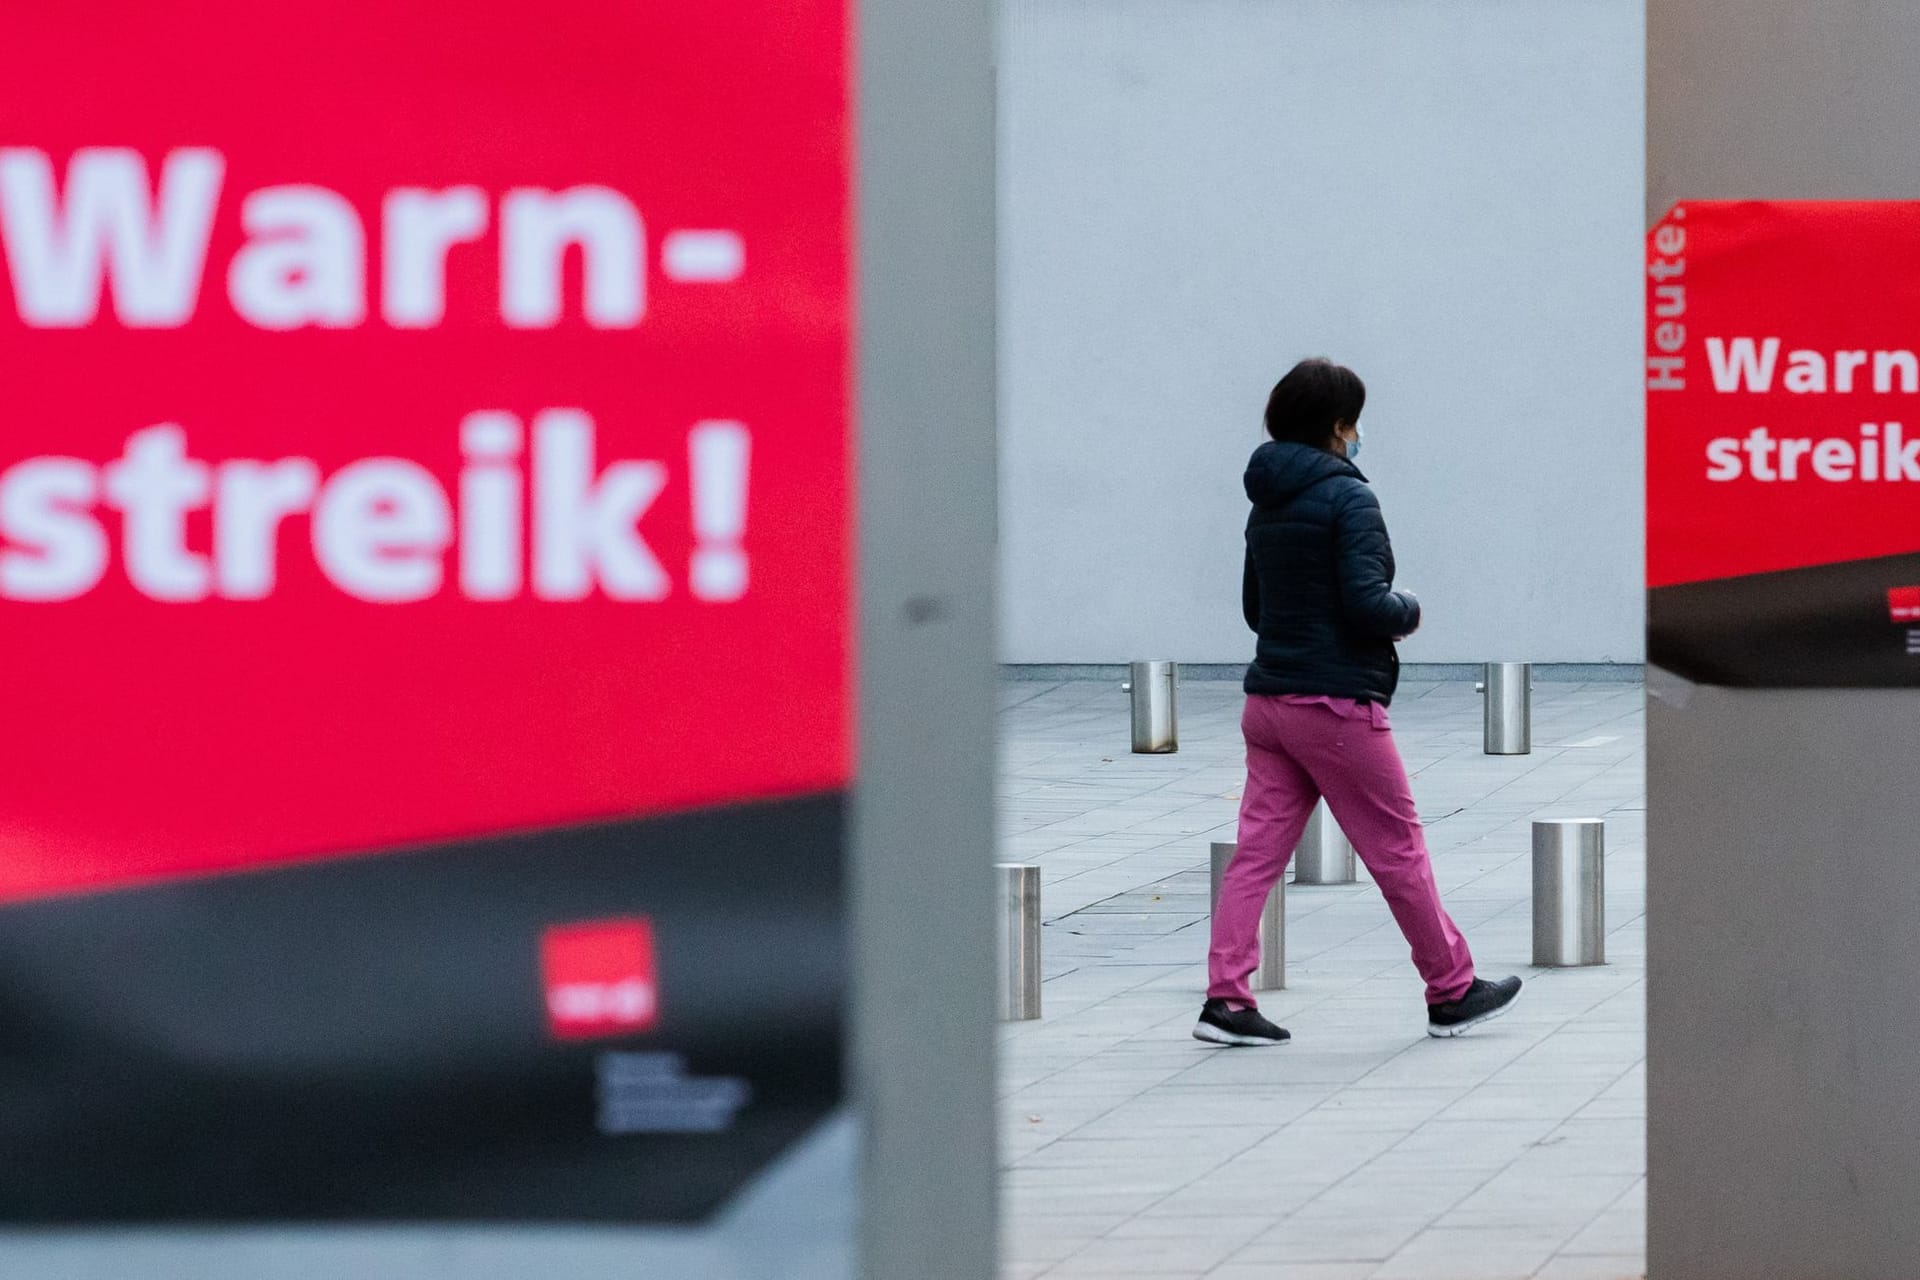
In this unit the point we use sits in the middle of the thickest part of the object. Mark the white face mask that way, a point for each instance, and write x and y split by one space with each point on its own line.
1353 445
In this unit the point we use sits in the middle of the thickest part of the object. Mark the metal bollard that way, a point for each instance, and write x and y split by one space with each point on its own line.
1508 687
1153 686
1325 855
1018 919
1570 892
1271 973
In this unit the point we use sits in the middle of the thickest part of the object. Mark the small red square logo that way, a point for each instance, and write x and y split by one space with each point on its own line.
599 978
1904 604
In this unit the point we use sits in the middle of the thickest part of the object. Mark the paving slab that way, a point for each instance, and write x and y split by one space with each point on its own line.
1363 1150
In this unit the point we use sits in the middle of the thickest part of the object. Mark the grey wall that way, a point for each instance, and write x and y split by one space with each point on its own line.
1783 933
1783 928
1782 100
1445 194
924 1039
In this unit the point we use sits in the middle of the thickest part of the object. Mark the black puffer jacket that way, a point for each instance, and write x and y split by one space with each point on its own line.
1319 579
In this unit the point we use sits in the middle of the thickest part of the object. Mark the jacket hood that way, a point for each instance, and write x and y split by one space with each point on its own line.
1279 471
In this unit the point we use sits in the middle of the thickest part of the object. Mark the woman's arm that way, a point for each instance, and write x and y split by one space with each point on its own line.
1250 594
1363 560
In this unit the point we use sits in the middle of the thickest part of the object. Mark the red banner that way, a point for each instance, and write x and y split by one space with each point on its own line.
1783 442
418 430
1783 387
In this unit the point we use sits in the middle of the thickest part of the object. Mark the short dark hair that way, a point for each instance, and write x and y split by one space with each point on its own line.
1315 397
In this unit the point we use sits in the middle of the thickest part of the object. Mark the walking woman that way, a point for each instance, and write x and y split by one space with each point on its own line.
1319 593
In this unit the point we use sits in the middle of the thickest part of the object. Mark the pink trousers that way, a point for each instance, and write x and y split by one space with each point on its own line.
1298 750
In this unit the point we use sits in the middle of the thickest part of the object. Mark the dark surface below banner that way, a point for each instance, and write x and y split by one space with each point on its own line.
391 1037
1831 626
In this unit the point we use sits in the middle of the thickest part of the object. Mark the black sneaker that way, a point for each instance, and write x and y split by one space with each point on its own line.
1483 1000
1221 1025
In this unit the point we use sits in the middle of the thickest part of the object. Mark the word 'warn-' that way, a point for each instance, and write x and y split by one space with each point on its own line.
303 264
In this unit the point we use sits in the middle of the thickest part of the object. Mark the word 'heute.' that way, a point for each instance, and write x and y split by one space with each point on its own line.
381 528
304 261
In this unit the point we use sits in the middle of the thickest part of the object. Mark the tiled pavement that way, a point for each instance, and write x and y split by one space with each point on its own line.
1363 1149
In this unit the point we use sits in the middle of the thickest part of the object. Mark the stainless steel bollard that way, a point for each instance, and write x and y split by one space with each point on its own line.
1508 687
1154 686
1325 855
1018 918
1570 892
1271 973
